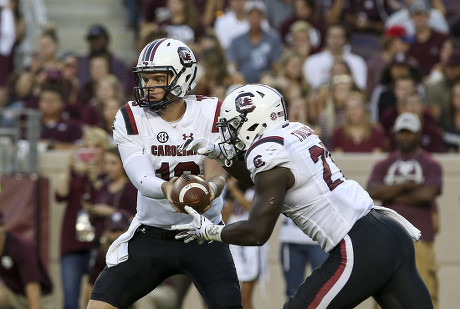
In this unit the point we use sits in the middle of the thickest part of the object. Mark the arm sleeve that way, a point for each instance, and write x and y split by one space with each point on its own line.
138 165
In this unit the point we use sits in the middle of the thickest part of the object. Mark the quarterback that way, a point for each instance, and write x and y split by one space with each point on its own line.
371 253
148 132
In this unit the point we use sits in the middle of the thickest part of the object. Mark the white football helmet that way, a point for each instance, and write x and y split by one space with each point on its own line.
165 55
246 113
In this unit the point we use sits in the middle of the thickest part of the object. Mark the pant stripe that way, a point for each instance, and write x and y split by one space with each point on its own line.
338 280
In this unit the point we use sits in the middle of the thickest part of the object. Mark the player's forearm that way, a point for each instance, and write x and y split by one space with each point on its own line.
422 197
245 233
140 172
385 193
33 293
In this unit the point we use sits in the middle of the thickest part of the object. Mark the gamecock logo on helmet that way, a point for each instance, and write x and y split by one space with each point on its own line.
185 56
244 103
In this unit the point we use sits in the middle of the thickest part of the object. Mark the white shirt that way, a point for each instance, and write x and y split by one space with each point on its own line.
317 67
402 18
323 203
228 27
7 31
160 140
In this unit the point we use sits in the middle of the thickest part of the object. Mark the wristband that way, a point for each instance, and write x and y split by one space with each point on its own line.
213 187
212 232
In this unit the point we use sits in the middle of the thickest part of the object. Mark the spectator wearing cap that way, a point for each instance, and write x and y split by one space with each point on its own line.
233 23
257 51
25 282
430 134
394 41
384 94
436 19
409 180
438 93
316 67
98 39
428 42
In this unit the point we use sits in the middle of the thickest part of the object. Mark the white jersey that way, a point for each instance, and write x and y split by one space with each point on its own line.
145 132
323 203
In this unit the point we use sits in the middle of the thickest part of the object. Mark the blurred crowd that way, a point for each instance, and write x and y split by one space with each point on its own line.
347 68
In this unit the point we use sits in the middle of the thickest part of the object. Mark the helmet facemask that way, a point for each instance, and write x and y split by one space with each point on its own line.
231 146
142 92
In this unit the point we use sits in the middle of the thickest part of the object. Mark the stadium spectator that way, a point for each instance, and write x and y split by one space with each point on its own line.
408 181
25 281
56 132
333 113
98 40
213 77
76 183
288 79
105 88
385 95
402 17
10 19
297 251
115 224
450 120
115 193
428 42
184 23
437 93
431 135
317 67
298 39
278 11
257 51
365 21
305 10
233 22
358 133
394 41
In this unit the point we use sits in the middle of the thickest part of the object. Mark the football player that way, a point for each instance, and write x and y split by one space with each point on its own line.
148 132
370 247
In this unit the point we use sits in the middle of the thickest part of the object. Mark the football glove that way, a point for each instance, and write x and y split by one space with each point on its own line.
200 228
206 148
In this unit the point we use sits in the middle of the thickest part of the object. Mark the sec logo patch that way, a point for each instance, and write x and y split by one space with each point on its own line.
162 137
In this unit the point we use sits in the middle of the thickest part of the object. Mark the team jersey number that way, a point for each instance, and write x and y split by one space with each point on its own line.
179 169
316 153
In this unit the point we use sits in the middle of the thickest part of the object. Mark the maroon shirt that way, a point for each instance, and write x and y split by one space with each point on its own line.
21 265
79 185
431 139
376 140
423 170
126 199
66 131
427 53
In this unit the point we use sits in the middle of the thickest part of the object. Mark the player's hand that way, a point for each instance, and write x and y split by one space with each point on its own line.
166 189
201 146
199 229
206 148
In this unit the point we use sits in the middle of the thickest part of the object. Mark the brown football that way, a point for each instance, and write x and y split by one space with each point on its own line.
193 191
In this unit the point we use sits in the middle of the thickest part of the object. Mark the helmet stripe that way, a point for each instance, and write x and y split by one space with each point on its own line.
152 55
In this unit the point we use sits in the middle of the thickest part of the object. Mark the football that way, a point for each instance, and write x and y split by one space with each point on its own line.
193 191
